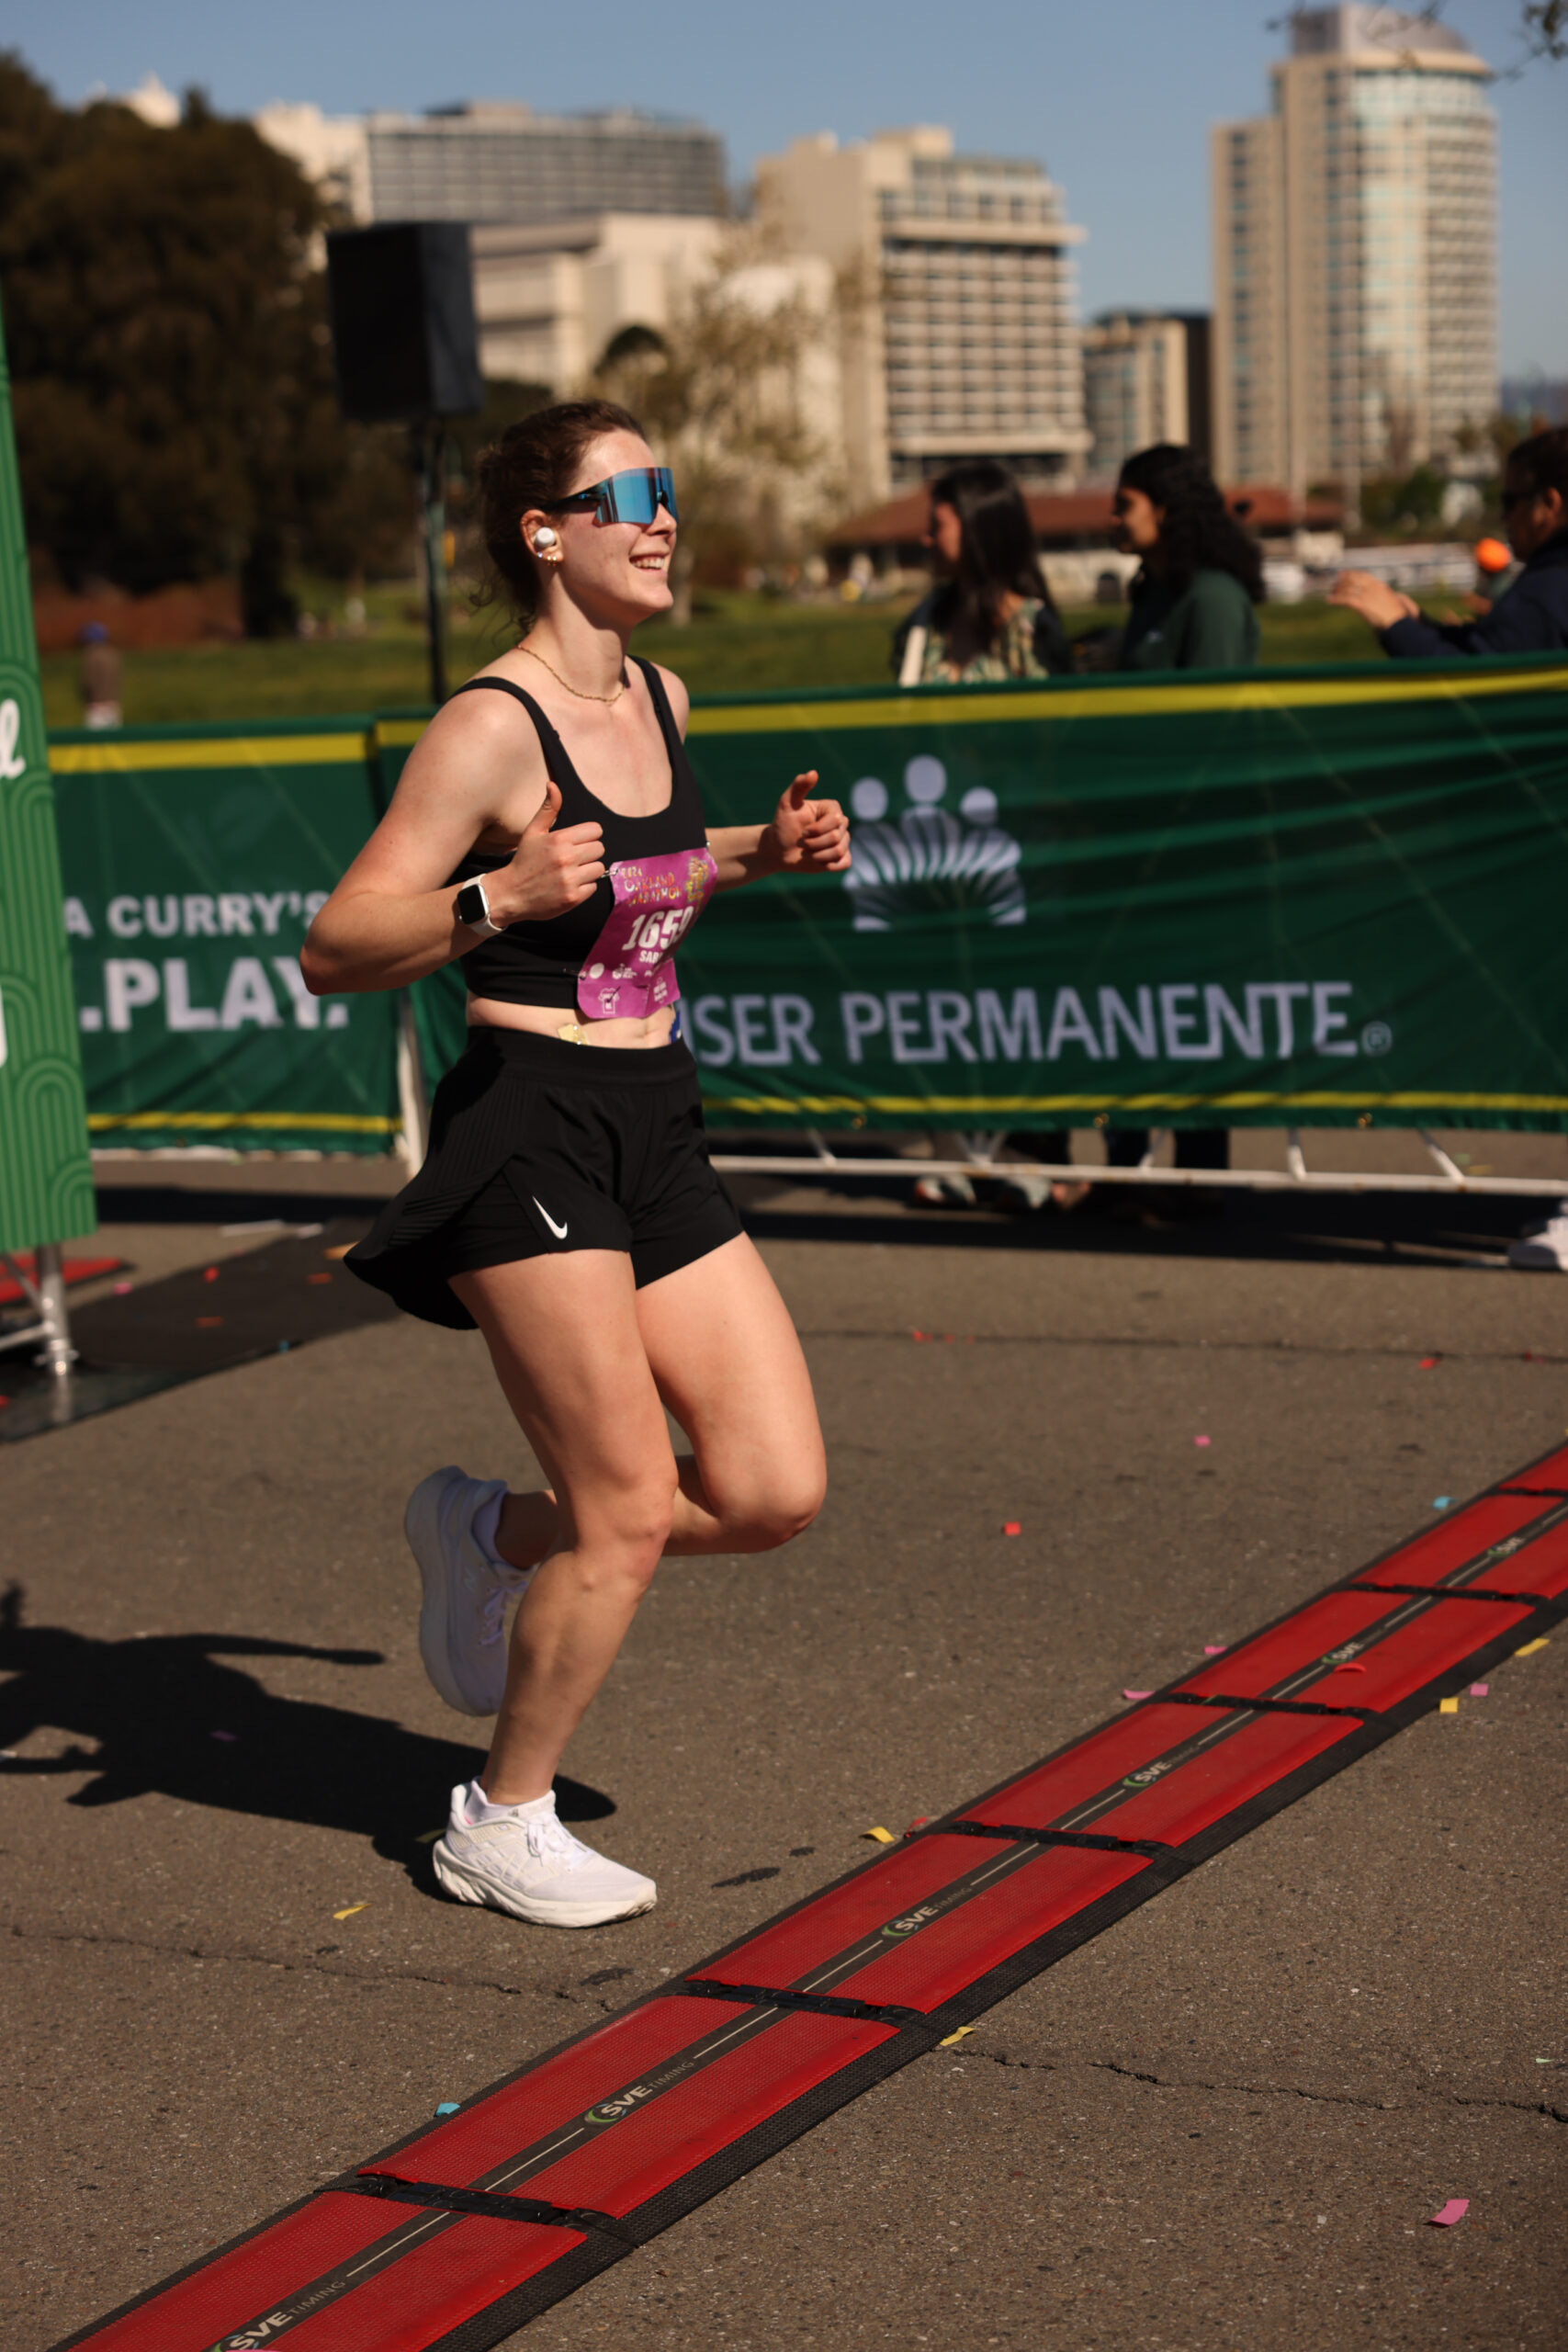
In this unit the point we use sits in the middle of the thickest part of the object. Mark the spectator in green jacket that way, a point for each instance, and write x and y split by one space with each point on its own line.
1193 599
1201 574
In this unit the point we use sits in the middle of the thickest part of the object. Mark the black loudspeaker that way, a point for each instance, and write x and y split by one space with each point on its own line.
401 299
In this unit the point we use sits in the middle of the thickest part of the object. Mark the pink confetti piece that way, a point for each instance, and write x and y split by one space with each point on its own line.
1202 1441
1012 1527
1454 2210
120 1289
1213 1649
230 1735
1137 1694
1479 1690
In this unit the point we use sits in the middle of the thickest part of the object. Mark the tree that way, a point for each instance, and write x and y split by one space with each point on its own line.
734 395
172 363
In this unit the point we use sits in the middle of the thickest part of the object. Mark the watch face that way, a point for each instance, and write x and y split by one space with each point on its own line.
470 903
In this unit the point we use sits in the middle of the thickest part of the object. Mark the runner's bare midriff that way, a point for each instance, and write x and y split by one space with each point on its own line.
549 1020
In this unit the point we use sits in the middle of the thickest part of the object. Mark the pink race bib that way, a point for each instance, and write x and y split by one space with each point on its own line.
629 971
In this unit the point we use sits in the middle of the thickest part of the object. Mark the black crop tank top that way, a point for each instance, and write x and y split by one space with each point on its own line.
612 954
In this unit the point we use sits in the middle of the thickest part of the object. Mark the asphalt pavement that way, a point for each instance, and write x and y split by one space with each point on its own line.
1226 2121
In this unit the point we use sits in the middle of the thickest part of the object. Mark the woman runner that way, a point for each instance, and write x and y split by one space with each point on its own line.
549 830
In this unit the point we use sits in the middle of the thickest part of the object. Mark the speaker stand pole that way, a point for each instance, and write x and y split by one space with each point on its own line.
429 441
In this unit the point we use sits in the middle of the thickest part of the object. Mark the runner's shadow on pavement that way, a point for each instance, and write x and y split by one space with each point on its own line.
163 1714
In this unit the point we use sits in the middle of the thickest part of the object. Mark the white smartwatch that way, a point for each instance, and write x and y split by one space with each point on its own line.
472 909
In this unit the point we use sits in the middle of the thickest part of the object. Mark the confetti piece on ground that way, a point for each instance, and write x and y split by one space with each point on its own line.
341 1250
350 1910
209 1322
1202 1441
1454 2210
448 2106
210 1275
121 1289
883 1836
1441 1502
919 1822
1012 1527
318 1278
953 2039
1447 1707
1479 1690
919 1335
1530 1648
1137 1694
427 1837
1213 1649
1428 1364
230 1735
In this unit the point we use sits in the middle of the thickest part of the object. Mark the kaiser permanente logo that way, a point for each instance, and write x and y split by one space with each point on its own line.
1076 1028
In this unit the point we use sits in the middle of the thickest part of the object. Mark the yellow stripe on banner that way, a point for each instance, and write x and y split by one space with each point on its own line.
929 708
316 1122
983 1105
232 751
390 734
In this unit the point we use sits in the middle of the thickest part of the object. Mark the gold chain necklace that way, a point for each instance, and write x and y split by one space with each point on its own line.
582 696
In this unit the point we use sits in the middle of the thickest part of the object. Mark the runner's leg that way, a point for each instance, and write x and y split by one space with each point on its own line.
563 1335
729 1364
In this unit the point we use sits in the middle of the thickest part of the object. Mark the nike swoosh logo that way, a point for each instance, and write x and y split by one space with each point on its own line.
558 1230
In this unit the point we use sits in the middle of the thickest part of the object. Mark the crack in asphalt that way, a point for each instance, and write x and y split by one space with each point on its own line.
1389 1354
309 1963
303 1963
1422 2093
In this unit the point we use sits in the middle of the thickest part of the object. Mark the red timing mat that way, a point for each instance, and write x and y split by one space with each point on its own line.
74 1269
458 2235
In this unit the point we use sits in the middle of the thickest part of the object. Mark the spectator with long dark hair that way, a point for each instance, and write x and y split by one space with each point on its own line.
1201 573
989 615
1193 598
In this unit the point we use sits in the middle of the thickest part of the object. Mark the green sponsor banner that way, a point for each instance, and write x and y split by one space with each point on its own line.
194 860
46 1180
1310 897
1299 898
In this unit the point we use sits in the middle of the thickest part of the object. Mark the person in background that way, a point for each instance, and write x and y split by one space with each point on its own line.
989 617
1531 616
100 677
1193 608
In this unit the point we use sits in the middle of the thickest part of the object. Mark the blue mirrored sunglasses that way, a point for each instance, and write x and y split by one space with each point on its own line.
634 496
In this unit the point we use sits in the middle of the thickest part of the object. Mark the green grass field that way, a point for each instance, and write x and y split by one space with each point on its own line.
740 644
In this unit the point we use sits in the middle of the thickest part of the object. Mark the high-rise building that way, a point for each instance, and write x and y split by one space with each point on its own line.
1137 370
960 335
503 162
1355 255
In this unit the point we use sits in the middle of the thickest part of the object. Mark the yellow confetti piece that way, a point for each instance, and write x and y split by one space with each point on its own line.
350 1910
1530 1648
883 1836
955 2036
427 1836
1447 1707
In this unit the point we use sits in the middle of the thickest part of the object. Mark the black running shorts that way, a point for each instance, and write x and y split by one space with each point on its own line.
539 1148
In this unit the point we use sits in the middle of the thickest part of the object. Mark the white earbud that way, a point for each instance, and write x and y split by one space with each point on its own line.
546 546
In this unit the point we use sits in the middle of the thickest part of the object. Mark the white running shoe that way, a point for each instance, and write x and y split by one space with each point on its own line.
529 1863
463 1612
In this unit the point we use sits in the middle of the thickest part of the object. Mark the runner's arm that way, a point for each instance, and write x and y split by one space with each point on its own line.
391 918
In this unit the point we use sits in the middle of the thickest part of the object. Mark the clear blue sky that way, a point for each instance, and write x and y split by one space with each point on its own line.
1114 96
